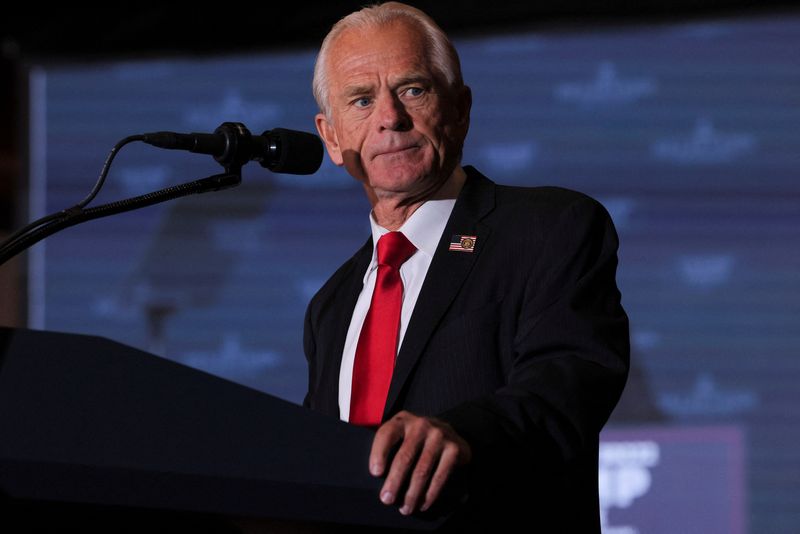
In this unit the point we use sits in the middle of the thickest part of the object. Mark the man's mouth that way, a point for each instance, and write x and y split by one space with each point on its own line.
396 150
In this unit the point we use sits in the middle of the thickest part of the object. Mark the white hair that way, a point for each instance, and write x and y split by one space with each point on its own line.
443 55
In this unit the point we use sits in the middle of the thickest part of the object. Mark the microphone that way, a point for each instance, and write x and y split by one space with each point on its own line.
232 145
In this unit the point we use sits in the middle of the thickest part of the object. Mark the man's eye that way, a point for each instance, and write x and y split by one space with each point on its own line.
361 102
414 91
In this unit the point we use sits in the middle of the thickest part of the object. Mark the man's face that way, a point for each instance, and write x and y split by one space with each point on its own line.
393 123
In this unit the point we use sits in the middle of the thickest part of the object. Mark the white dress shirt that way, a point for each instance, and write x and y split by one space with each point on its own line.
424 229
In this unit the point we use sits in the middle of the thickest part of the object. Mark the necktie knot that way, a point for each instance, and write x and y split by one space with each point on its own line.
394 249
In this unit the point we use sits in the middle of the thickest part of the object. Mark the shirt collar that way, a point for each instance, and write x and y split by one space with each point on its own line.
424 228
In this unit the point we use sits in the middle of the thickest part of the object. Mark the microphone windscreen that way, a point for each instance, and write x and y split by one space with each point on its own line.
298 152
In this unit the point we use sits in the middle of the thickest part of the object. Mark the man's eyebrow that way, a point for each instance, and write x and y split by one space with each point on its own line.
421 79
410 79
355 90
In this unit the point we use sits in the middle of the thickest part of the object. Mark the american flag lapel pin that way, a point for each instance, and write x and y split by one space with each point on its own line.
463 243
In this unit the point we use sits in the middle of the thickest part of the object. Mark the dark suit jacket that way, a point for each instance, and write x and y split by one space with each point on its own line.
521 345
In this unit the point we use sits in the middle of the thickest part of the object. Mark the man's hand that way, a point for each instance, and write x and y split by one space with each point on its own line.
429 452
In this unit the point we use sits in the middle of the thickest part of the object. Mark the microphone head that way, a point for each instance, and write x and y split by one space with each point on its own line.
292 152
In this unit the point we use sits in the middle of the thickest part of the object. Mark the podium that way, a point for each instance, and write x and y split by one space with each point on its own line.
99 436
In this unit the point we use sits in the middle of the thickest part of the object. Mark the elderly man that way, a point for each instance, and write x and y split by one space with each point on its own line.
479 328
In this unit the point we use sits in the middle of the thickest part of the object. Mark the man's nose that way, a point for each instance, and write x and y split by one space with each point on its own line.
392 115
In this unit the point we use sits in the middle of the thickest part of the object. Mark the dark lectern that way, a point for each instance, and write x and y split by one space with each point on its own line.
95 435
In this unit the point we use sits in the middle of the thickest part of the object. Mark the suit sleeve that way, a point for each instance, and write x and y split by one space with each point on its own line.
570 353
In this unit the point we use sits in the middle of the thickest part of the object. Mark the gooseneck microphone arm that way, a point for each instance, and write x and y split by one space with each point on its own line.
231 144
73 216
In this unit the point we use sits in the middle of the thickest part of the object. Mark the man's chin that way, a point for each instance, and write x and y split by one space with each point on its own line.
392 184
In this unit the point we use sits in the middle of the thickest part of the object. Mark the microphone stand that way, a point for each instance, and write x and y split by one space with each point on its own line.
70 217
232 146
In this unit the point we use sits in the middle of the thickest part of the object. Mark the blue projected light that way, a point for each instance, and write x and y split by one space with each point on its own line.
688 133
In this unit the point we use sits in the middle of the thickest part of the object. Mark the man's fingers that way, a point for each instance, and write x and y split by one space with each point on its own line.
426 465
402 463
429 452
447 462
385 438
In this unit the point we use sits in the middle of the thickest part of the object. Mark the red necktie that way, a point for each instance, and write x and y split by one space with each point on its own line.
377 343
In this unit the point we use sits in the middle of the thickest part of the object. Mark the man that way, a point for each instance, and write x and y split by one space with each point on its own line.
496 307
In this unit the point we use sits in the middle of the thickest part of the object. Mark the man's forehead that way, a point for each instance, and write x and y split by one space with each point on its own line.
396 50
397 37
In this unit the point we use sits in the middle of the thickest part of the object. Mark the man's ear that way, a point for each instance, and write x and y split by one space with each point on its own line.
328 134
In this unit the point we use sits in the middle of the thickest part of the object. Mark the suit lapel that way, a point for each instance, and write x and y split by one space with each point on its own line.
445 278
